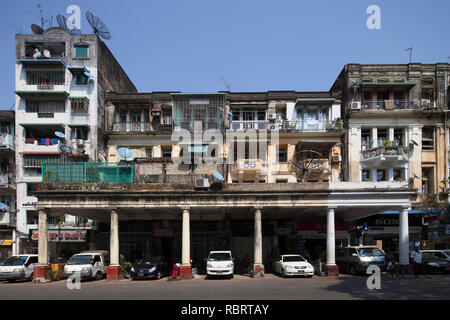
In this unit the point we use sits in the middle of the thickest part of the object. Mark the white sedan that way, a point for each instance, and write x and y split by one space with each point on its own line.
293 265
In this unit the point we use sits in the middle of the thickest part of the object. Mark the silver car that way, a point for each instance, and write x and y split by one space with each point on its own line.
357 259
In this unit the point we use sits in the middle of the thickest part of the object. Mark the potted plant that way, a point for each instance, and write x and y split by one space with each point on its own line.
399 179
387 143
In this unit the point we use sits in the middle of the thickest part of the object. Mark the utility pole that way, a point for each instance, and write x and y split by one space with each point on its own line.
410 53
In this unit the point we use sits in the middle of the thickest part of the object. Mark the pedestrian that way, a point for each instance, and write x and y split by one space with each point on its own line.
393 267
418 267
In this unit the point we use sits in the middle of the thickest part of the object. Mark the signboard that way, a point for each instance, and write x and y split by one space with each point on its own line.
62 235
5 242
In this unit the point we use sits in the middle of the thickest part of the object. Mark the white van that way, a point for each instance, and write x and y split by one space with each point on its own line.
220 263
19 267
90 265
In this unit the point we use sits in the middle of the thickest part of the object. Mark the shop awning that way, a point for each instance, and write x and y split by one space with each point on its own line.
80 69
42 94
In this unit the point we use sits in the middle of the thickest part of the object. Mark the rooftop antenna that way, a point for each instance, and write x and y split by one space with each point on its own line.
62 22
36 29
410 53
98 26
227 86
41 17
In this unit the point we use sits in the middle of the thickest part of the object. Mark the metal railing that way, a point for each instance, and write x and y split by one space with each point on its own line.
249 125
206 125
141 127
312 125
45 79
383 151
385 104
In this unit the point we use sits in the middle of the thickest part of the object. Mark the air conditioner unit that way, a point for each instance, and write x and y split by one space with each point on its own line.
274 127
425 104
337 158
202 183
355 105
80 142
271 116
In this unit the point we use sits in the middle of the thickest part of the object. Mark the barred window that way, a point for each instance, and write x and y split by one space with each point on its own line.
41 106
79 105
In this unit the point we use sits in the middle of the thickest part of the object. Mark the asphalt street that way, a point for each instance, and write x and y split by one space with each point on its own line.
271 287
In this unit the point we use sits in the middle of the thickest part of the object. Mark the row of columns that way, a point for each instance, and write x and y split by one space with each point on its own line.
114 270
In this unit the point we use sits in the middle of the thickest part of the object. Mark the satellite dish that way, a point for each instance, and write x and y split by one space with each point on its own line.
60 135
98 26
218 175
36 29
125 153
62 22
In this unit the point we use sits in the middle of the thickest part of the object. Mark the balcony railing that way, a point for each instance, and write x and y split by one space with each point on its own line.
205 125
251 165
386 104
312 125
6 141
141 127
249 125
6 180
45 79
383 151
7 218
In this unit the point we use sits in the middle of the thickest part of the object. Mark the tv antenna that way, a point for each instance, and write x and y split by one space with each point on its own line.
98 26
36 29
410 53
44 21
62 22
227 86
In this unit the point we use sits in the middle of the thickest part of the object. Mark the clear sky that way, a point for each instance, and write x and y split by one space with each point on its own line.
255 45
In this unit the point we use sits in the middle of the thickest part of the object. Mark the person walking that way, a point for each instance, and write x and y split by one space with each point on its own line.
417 260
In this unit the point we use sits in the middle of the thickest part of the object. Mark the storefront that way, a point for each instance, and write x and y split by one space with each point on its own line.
62 244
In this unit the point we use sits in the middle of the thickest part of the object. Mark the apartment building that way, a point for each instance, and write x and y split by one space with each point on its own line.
395 118
7 184
61 82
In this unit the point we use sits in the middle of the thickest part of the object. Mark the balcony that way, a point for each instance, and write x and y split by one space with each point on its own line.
123 127
248 170
312 125
386 155
386 104
6 142
205 125
7 181
8 218
249 125
47 145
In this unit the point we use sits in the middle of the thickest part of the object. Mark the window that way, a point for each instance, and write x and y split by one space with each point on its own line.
365 175
45 107
382 136
398 137
80 133
81 52
381 175
427 138
167 152
366 139
81 79
149 152
398 175
282 154
97 259
79 105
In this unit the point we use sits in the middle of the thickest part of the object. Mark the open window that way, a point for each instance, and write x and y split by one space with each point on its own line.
79 132
428 138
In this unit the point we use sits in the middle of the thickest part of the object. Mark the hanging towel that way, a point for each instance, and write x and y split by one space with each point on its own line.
47 141
42 143
54 141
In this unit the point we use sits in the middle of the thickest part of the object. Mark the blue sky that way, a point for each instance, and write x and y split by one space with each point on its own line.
255 45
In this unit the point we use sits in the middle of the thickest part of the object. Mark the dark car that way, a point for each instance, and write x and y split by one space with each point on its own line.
435 261
151 268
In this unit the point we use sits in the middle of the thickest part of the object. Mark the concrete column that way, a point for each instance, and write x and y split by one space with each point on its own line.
43 239
14 242
39 272
391 134
114 271
258 267
331 267
404 236
185 270
374 137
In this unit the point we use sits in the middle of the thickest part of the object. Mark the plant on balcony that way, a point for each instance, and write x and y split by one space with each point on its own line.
367 180
387 143
399 179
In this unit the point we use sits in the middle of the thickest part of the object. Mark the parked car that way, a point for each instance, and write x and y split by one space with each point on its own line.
447 253
90 265
436 261
220 263
357 259
18 267
293 265
151 268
